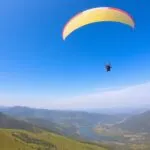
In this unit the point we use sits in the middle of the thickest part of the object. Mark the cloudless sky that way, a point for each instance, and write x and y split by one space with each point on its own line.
34 59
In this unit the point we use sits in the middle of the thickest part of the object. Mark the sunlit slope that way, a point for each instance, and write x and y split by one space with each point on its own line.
8 142
11 139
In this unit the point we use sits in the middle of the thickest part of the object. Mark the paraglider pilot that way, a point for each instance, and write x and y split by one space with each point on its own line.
108 67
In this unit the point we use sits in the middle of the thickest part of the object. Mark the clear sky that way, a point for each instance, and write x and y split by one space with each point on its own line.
38 68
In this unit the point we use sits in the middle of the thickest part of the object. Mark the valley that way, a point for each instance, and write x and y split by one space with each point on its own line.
109 132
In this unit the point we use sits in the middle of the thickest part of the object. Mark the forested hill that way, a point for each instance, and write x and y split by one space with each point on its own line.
12 123
137 123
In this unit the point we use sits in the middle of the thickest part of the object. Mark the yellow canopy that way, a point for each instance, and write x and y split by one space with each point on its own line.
99 14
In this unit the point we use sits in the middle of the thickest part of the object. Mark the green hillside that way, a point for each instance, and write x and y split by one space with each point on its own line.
35 125
11 139
12 123
63 129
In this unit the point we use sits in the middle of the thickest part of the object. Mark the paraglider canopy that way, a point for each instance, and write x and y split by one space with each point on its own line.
99 14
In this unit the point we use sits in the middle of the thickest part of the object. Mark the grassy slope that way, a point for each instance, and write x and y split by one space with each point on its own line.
9 142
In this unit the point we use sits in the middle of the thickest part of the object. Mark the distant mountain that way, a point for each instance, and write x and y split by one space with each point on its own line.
68 123
35 125
126 111
78 118
3 108
137 123
11 123
19 137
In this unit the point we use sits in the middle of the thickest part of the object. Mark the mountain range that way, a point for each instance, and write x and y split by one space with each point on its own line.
21 135
137 123
76 125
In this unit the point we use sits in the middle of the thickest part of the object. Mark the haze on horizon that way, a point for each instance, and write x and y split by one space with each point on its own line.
39 69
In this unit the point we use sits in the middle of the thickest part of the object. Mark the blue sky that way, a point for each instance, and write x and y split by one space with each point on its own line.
36 65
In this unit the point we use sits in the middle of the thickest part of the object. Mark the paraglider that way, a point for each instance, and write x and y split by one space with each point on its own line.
94 15
108 67
100 14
